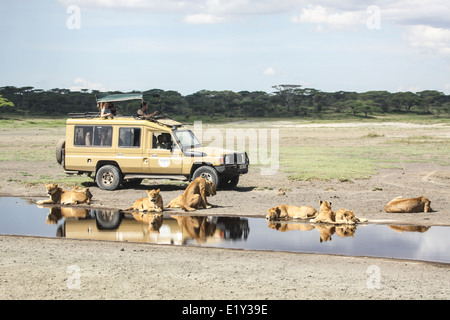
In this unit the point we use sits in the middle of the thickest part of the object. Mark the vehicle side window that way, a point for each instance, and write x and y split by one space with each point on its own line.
162 140
129 137
98 136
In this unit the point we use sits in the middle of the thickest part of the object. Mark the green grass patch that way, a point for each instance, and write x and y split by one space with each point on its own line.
356 162
63 180
34 122
314 163
33 155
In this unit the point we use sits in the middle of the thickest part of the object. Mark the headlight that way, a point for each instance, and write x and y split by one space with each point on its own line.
229 159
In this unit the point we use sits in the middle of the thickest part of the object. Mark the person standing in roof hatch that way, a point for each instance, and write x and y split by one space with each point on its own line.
142 112
106 110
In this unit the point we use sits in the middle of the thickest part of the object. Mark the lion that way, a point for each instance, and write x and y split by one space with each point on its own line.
344 216
59 196
83 190
153 202
326 215
195 195
154 221
411 205
290 212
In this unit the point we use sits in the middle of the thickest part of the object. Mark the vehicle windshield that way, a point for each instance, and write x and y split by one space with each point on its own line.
187 139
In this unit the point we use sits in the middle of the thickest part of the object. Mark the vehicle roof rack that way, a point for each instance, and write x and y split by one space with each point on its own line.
84 115
116 97
166 121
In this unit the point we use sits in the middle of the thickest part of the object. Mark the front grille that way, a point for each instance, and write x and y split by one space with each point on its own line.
236 158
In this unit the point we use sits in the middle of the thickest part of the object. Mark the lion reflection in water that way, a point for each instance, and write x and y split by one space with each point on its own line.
197 227
401 229
325 230
154 221
57 213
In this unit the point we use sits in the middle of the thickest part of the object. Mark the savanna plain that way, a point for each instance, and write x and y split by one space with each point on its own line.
356 164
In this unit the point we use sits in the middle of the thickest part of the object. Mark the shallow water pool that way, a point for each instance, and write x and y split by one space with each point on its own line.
20 216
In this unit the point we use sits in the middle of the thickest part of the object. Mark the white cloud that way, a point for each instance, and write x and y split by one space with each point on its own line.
408 89
447 88
426 24
325 16
84 84
202 19
434 13
156 6
269 71
429 38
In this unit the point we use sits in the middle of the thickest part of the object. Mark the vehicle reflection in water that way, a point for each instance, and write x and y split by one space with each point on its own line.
393 241
149 228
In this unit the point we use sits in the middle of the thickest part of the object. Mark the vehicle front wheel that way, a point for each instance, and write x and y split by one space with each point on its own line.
208 173
108 177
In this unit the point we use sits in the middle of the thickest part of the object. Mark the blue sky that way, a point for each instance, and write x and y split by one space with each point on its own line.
236 45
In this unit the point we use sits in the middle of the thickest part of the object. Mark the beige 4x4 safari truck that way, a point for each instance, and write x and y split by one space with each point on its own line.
121 150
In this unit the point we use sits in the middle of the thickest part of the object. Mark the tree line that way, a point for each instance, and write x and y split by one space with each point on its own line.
284 101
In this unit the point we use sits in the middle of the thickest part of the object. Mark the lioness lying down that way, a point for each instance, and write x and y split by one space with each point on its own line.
400 205
58 195
290 212
195 195
153 202
342 216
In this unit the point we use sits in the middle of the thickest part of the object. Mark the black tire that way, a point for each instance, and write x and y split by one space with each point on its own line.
108 177
60 147
108 219
229 182
209 173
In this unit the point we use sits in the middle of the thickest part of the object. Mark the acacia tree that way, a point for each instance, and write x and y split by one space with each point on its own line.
288 94
406 100
6 105
432 99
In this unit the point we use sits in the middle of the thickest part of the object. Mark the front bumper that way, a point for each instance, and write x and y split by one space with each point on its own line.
235 164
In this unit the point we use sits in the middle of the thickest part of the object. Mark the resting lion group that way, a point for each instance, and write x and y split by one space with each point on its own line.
324 215
195 197
344 216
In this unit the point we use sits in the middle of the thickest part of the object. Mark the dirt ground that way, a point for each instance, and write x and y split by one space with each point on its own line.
37 268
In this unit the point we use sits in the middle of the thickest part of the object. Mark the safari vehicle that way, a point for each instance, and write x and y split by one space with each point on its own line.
125 150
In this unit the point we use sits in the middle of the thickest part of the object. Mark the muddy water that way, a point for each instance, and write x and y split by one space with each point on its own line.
21 217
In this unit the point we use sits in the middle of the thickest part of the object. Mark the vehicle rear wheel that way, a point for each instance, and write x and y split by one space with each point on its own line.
208 173
60 149
108 177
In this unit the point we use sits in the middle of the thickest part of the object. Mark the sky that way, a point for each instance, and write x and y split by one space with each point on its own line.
193 45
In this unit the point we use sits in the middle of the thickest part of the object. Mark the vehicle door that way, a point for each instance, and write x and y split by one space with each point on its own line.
129 155
162 154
